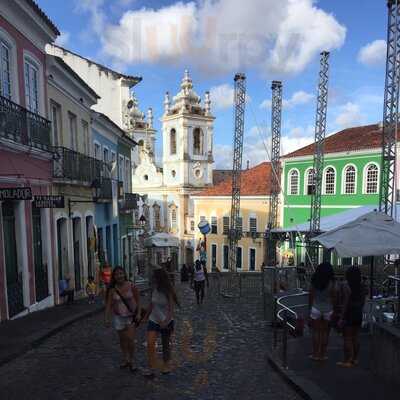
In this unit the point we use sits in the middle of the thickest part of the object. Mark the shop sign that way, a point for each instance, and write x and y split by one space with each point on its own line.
49 202
18 193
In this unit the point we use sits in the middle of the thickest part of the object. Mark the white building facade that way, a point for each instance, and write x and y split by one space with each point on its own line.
187 132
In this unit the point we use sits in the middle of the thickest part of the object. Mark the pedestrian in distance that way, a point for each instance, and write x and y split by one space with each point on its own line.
184 273
160 316
123 306
351 317
91 289
321 304
66 290
199 278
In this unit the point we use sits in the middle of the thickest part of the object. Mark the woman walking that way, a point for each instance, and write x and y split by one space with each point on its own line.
354 298
199 277
123 305
321 304
161 321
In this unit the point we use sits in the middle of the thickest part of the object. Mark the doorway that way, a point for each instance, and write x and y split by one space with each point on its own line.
41 277
13 273
76 238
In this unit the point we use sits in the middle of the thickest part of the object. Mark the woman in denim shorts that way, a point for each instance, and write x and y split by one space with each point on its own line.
123 304
161 320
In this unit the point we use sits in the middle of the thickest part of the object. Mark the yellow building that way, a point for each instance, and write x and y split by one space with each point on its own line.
214 205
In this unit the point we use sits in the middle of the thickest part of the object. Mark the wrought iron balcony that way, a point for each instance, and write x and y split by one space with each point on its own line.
23 126
73 166
105 192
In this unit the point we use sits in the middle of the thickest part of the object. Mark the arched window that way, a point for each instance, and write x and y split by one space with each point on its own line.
5 69
330 180
173 218
371 179
294 182
172 141
197 141
310 181
350 180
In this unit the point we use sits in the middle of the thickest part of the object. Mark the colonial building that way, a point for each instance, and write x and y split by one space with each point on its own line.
351 177
187 131
26 259
214 205
74 171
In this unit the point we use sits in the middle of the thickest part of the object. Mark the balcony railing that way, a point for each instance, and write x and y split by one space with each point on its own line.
105 189
73 166
23 126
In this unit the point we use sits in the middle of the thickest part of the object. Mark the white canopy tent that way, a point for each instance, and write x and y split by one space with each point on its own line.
372 234
161 240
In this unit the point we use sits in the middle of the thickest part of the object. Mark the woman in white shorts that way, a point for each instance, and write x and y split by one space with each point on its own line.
123 304
321 304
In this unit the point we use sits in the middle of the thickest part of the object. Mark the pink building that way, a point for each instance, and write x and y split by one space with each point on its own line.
26 255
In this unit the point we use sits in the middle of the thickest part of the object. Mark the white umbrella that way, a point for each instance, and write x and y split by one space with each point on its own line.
372 234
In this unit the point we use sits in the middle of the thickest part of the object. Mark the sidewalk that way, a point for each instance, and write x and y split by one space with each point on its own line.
22 334
325 380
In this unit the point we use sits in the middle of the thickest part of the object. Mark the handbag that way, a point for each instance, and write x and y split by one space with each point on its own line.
129 308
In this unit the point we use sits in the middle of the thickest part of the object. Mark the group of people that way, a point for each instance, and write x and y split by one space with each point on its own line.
339 305
126 313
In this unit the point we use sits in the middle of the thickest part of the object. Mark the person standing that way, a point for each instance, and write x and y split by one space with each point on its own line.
354 293
321 304
184 273
200 276
91 289
123 305
105 277
160 315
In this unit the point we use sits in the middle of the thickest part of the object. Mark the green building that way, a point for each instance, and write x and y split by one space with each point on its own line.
350 177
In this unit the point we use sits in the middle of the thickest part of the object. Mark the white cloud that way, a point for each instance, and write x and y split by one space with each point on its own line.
63 39
257 146
273 36
350 115
222 96
298 98
373 53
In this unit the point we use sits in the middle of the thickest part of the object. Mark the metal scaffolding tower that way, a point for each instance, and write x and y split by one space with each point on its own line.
320 129
390 110
276 119
234 233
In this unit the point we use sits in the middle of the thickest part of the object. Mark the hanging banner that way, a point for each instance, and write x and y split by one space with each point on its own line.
18 193
49 202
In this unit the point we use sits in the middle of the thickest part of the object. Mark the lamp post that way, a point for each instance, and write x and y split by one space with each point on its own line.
132 245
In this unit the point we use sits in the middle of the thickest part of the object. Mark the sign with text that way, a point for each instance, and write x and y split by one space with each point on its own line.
49 202
18 193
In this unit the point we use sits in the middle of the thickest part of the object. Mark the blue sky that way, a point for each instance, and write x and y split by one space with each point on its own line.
265 38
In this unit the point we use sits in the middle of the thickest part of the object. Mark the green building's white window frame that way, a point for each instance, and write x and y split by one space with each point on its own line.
291 186
345 183
368 182
329 185
307 183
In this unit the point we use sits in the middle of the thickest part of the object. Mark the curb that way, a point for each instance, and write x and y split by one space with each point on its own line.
41 337
303 387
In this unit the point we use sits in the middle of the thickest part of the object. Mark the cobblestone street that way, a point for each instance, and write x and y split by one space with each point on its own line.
219 354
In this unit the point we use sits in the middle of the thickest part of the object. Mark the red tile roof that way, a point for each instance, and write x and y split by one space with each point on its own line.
351 139
255 182
219 175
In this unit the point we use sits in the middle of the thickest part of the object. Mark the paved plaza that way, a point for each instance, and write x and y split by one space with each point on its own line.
220 353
